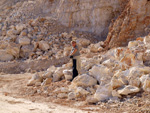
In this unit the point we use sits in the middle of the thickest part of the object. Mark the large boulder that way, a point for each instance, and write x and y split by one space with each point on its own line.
103 92
95 47
146 56
126 90
43 45
4 56
145 80
99 71
116 83
68 74
84 42
20 27
35 78
58 74
66 51
81 92
147 41
84 81
49 72
133 44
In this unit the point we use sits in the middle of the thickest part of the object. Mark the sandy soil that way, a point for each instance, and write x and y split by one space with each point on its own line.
13 105
17 97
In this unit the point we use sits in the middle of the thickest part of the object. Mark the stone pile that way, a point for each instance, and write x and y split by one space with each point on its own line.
35 41
117 73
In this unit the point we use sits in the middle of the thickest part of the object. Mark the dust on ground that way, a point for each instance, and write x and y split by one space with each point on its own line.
16 96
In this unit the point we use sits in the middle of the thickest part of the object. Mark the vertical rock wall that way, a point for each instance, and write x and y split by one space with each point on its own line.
85 15
132 23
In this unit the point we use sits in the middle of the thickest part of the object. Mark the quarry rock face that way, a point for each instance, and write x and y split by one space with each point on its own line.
131 24
88 16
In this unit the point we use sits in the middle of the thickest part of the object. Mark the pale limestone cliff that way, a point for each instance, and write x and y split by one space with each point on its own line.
134 22
87 15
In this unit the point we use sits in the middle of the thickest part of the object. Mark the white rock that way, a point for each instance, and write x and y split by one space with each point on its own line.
47 81
91 100
95 47
84 80
84 42
147 41
99 71
4 56
35 78
145 80
128 90
67 74
49 72
20 27
115 94
135 81
43 45
132 44
146 56
80 91
116 83
71 96
62 95
109 63
122 76
58 74
103 92
67 51
61 90
24 41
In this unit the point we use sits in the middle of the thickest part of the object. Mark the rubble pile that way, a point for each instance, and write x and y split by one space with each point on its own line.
119 72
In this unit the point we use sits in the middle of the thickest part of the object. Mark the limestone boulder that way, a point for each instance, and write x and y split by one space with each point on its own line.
116 82
61 90
35 78
115 94
81 92
49 72
71 95
147 41
24 41
145 80
62 95
99 71
26 50
95 47
58 74
43 45
47 81
109 63
132 44
20 27
66 51
146 56
103 92
13 49
84 81
67 74
122 76
91 100
4 56
128 89
84 42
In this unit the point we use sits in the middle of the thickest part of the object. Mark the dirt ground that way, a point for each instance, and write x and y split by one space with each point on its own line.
17 97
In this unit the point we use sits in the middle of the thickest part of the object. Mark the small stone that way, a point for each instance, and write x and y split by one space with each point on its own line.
71 96
24 41
128 90
62 95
